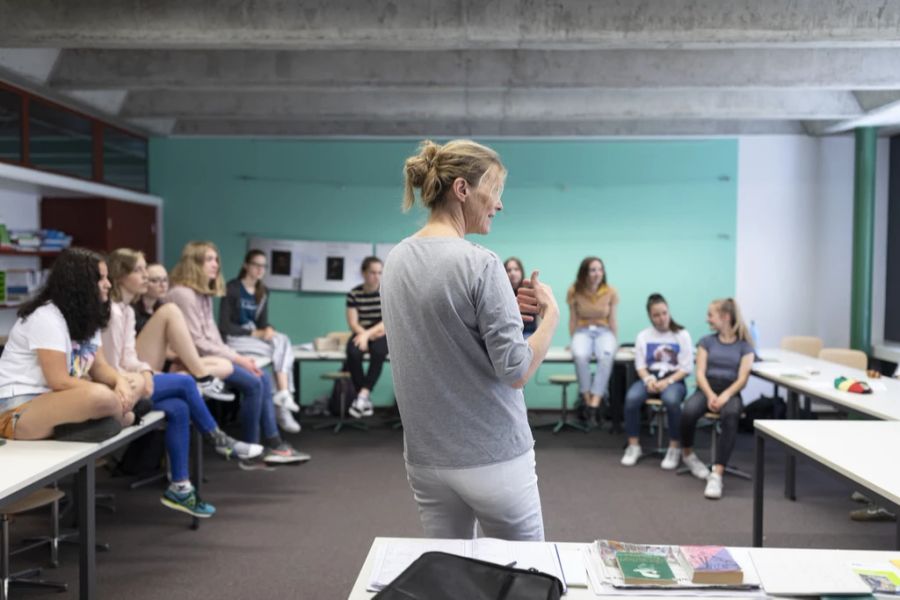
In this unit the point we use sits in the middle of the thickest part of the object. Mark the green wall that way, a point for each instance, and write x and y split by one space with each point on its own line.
661 213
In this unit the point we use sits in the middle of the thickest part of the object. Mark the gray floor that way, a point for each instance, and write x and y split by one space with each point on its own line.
303 532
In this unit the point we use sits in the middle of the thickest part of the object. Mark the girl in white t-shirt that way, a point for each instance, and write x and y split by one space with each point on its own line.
663 357
54 346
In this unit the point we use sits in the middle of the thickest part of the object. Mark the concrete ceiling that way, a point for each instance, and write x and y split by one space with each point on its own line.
461 67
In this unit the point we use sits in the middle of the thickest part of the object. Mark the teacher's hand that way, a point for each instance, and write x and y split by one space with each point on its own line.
535 298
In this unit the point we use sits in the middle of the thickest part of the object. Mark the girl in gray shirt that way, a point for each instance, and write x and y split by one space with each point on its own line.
458 357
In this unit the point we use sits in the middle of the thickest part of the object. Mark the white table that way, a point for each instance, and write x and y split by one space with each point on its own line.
862 452
28 465
801 374
772 575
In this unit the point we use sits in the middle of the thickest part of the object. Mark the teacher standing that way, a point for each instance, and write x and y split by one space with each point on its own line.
458 357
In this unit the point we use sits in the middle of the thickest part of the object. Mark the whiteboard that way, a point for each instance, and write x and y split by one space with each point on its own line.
333 266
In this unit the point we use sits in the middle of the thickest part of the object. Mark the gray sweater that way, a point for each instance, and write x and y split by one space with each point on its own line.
455 338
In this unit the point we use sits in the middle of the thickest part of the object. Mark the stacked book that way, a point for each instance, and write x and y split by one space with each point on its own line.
623 565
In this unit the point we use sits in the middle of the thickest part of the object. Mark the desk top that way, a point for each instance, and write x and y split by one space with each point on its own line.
863 451
556 354
26 462
815 377
766 560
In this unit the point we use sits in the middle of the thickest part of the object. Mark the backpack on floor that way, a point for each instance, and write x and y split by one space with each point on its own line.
144 455
345 387
765 407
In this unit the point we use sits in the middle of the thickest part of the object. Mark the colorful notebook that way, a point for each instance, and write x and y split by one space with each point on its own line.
644 569
710 564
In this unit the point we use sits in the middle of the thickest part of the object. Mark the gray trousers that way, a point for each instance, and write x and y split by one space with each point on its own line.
503 498
278 349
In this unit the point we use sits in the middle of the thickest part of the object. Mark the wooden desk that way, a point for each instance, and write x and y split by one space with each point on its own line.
861 452
29 465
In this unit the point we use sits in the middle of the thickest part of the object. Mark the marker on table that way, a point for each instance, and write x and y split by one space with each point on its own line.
512 564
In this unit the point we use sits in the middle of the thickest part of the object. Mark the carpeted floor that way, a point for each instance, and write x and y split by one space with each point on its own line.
303 532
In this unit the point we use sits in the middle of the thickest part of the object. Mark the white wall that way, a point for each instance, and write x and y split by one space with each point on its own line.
794 238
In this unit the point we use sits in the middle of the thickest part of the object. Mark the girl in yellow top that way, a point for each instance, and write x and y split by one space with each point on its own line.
593 327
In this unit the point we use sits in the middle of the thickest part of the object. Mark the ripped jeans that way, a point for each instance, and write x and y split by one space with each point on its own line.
598 341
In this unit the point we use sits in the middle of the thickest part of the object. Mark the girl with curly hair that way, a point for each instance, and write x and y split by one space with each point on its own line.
53 347
196 279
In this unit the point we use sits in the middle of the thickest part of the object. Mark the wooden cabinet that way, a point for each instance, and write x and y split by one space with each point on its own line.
102 224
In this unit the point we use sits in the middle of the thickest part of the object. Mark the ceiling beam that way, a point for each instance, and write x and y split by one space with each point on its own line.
544 104
447 24
838 69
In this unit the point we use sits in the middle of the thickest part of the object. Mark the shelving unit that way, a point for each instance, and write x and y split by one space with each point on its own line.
36 253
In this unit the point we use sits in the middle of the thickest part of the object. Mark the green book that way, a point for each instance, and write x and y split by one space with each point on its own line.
644 569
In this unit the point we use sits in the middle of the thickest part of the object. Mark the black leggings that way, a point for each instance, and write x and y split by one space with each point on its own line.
729 415
378 350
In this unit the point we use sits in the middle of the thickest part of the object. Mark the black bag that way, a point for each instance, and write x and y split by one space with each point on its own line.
765 407
345 387
442 576
144 455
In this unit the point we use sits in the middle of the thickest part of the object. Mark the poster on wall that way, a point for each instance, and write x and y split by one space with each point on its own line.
285 258
332 266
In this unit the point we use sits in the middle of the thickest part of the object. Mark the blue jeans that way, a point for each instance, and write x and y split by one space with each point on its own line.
178 397
591 341
672 398
257 409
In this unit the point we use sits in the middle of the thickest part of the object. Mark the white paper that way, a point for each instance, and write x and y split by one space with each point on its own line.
788 572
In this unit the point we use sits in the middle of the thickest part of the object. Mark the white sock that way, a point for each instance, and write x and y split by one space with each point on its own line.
182 487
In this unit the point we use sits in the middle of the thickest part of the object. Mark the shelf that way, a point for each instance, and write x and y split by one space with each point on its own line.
38 253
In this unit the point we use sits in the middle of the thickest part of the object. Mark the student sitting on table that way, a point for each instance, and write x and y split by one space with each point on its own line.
53 347
364 319
516 273
663 357
244 323
724 360
593 327
166 345
173 393
197 278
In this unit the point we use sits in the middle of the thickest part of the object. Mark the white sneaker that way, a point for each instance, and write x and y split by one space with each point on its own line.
698 469
356 409
713 489
286 420
285 399
631 456
214 389
368 409
672 458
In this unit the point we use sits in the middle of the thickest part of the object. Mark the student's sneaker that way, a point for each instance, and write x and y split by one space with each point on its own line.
357 408
229 447
368 409
698 469
713 489
872 512
631 456
671 459
286 420
214 389
285 399
859 497
285 454
189 503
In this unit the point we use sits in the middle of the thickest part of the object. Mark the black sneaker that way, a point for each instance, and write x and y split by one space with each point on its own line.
93 431
285 454
872 513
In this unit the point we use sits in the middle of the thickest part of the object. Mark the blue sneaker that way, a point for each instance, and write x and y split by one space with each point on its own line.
188 503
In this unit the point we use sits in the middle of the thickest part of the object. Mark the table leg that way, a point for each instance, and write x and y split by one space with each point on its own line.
897 541
790 463
85 482
198 469
758 471
297 381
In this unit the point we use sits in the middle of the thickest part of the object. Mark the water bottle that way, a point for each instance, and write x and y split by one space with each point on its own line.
754 334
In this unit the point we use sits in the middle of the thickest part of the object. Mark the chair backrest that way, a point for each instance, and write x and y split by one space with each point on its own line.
856 359
804 344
